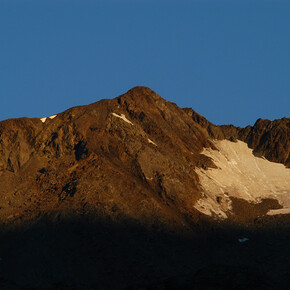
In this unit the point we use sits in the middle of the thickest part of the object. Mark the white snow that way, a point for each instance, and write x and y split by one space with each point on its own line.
242 175
150 141
279 211
123 117
242 240
50 117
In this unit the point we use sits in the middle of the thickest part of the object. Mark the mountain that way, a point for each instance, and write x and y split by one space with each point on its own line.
267 138
123 182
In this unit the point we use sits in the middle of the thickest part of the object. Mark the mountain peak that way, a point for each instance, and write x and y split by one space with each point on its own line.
140 95
141 90
137 138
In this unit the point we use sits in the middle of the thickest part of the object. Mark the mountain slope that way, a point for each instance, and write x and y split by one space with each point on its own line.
133 157
267 138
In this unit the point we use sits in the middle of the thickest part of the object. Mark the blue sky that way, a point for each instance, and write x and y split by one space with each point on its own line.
228 60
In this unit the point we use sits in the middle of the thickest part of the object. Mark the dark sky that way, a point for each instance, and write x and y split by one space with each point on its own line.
228 60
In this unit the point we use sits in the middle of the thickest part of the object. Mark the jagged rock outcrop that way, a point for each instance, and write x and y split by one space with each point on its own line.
268 138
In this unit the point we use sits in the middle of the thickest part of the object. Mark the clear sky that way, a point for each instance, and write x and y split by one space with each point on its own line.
228 60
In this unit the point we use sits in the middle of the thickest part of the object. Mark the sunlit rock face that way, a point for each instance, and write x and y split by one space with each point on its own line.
267 138
240 174
142 158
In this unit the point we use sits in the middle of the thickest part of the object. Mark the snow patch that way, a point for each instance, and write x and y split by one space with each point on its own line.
279 211
150 141
123 117
50 117
242 175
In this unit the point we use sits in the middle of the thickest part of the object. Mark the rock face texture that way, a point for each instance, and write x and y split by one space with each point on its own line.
131 157
126 163
268 138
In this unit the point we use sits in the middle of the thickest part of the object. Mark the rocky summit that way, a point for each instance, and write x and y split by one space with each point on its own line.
137 193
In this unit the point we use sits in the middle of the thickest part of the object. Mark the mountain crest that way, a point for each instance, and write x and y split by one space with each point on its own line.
98 155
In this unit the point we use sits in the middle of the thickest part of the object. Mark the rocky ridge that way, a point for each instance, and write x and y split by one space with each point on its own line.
267 138
132 157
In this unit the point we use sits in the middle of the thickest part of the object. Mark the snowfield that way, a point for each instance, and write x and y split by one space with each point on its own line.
241 174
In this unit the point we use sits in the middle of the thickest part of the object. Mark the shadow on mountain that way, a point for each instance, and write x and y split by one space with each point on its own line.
79 254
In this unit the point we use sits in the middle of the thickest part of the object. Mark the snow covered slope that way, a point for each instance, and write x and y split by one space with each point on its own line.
242 175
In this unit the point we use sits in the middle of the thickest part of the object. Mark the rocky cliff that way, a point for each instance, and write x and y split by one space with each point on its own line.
267 138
